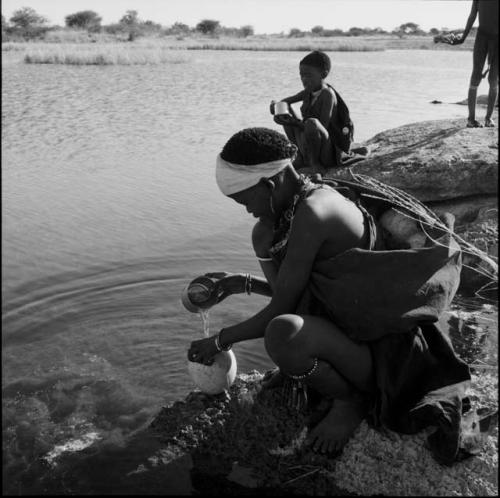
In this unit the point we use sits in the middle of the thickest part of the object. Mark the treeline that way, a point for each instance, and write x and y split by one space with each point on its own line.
27 24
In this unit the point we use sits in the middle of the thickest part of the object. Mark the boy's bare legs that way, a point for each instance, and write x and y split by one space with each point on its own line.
344 372
318 146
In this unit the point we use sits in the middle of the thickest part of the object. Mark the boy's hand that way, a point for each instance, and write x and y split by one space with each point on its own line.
288 120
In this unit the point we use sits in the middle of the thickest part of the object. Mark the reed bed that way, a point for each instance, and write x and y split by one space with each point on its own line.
102 55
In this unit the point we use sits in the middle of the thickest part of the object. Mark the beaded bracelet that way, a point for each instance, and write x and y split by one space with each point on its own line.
218 344
248 283
309 372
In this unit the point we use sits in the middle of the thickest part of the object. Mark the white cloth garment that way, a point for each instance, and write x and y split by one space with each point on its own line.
232 178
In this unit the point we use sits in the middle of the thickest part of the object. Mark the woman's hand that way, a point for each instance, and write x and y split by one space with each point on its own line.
203 351
227 284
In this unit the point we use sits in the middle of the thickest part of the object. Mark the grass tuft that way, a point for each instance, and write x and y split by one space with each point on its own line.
102 55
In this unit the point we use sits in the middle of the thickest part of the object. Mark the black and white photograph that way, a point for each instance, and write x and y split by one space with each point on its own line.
250 247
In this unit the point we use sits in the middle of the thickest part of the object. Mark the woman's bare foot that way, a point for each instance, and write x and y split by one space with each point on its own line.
333 432
489 123
273 378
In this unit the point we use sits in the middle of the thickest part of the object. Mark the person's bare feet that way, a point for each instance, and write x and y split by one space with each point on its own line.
333 432
473 123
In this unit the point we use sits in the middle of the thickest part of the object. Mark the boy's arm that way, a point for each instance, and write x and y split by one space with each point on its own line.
328 107
299 97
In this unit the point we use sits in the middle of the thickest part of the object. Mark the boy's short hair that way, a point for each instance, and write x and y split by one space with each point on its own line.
256 146
318 59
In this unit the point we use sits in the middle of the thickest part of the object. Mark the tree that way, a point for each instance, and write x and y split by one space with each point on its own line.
179 28
130 21
295 33
333 32
356 31
208 26
410 28
130 18
317 30
246 30
85 19
26 17
434 31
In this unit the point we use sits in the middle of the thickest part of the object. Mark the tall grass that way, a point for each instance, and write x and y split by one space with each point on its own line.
102 55
77 36
284 44
80 48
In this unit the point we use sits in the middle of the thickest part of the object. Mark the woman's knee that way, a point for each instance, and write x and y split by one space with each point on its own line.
281 332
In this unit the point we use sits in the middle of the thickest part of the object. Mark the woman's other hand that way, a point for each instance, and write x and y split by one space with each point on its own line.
203 351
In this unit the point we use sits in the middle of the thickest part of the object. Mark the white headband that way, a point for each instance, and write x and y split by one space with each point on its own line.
232 178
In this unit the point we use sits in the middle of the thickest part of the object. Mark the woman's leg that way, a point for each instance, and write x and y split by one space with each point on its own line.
344 372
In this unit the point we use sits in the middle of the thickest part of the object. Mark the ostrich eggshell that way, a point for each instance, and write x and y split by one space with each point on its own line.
213 379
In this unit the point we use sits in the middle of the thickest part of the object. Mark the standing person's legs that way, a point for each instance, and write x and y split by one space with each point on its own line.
343 372
493 83
478 59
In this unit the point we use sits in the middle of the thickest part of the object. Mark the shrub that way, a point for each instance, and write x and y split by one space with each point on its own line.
208 26
85 19
27 17
246 30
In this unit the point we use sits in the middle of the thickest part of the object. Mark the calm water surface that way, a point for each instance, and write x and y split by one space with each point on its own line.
110 208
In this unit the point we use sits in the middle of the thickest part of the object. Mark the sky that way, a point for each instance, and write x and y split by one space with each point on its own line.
266 16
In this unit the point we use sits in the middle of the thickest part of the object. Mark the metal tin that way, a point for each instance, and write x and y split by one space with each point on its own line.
199 294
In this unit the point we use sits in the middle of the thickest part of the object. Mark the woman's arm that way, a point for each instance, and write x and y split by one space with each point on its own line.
305 239
293 276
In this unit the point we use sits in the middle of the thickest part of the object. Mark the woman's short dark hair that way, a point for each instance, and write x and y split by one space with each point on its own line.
257 145
318 59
